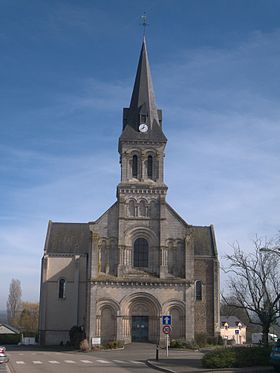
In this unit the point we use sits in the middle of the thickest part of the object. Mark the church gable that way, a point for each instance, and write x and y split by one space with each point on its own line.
107 224
176 226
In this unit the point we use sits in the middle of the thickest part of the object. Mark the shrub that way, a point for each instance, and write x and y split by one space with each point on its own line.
236 357
201 339
113 345
76 335
6 339
84 346
179 343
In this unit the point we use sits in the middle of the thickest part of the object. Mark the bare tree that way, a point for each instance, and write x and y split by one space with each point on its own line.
14 302
254 284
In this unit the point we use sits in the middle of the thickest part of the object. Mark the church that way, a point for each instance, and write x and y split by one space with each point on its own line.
118 275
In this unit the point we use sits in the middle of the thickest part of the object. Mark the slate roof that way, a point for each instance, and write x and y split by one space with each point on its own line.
68 238
231 320
204 241
143 102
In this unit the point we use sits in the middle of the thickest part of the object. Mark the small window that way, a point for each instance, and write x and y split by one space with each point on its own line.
198 290
150 167
141 252
143 118
62 288
135 166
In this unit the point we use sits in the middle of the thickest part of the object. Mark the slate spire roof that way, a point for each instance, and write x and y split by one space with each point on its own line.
142 105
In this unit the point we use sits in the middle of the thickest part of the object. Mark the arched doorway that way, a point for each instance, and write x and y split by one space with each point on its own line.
141 323
177 322
108 324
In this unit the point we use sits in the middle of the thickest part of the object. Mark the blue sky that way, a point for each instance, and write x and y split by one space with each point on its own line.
67 69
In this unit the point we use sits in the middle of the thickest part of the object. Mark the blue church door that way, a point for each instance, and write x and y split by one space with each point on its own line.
140 329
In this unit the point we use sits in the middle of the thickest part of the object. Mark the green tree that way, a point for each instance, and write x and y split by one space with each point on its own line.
29 317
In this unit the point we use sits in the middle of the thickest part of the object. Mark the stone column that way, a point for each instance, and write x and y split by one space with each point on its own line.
76 289
189 320
120 333
91 324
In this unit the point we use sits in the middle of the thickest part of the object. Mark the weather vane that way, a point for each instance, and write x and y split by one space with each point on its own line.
144 22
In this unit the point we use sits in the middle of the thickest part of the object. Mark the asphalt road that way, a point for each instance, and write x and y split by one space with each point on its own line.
35 360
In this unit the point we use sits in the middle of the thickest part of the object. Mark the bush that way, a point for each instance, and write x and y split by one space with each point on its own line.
84 346
179 343
202 340
9 339
113 345
76 335
236 357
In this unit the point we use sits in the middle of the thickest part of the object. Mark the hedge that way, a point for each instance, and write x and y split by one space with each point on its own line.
9 339
236 357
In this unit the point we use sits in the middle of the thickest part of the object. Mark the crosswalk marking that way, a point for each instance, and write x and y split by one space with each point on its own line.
136 362
119 361
103 361
20 362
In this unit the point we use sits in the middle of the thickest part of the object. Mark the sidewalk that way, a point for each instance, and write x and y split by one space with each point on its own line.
190 361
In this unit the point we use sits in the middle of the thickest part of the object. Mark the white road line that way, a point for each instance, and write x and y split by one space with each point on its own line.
86 361
20 362
37 362
103 361
54 362
70 361
119 361
136 362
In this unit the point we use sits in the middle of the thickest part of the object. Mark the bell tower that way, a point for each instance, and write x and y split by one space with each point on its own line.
141 191
142 142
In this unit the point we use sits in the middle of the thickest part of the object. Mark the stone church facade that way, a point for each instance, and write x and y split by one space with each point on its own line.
140 260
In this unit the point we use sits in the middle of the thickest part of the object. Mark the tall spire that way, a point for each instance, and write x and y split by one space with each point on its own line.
142 107
143 99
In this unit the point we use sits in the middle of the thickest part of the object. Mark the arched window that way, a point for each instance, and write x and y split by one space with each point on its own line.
141 252
198 290
150 167
61 288
135 166
131 207
142 208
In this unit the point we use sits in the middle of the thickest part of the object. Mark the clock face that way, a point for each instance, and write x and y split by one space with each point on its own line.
143 127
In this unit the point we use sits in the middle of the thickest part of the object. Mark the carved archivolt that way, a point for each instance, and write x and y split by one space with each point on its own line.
132 302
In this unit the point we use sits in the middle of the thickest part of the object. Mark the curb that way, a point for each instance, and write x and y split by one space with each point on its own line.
257 369
154 366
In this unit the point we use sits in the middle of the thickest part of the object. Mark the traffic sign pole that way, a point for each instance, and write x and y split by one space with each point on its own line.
167 335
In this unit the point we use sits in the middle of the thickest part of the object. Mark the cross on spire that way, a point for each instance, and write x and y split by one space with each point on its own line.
144 23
